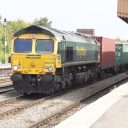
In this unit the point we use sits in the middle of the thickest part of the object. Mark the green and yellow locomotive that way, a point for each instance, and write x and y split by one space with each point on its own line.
47 60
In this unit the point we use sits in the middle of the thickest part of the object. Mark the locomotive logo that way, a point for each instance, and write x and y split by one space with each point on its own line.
80 51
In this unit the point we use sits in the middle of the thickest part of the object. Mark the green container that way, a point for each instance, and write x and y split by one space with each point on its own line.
121 53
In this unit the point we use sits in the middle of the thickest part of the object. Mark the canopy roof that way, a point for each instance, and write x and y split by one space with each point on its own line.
122 11
34 29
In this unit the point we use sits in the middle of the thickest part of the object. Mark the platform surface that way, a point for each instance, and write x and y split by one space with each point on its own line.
110 111
116 116
2 66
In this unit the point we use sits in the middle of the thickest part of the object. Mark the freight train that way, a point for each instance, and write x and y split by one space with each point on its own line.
46 60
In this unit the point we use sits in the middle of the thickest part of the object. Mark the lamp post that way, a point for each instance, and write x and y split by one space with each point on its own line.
5 40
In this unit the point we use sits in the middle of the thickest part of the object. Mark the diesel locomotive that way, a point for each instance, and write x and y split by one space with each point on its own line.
46 60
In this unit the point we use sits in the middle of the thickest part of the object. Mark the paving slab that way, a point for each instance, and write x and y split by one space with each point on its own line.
110 111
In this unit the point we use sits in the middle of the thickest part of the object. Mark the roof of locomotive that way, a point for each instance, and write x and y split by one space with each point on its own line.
62 35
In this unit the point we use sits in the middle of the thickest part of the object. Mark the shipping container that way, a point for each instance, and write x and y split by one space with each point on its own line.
122 11
121 53
107 52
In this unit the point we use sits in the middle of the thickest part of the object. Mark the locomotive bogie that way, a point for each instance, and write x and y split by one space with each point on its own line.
24 83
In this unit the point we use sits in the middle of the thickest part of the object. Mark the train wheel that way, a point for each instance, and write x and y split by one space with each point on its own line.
63 85
89 80
102 74
116 70
25 94
94 77
68 85
57 87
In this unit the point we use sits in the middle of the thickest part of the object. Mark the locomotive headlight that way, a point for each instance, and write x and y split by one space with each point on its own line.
15 67
50 68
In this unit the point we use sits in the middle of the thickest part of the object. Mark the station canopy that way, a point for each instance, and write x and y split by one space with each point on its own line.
123 16
122 10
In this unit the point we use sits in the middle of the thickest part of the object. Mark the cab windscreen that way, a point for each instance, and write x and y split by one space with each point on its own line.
22 45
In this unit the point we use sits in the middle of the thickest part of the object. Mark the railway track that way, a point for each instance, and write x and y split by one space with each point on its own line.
64 109
17 104
5 79
6 88
56 114
40 112
11 100
5 71
5 84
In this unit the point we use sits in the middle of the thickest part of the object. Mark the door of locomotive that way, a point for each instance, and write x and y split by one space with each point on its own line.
61 50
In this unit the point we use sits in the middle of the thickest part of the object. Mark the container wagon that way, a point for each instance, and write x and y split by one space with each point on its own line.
122 54
107 55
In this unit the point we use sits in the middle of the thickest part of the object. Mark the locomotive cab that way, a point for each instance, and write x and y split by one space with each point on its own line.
33 55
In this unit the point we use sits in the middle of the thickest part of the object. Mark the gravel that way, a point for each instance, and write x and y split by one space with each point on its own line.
8 95
31 115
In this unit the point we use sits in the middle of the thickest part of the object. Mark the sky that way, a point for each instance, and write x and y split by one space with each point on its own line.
70 15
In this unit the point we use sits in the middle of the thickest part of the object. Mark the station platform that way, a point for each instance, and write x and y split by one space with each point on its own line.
110 111
3 66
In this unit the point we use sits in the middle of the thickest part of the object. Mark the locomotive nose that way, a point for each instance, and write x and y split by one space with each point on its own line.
34 64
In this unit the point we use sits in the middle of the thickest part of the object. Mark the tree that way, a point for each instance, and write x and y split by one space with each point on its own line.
0 19
43 22
11 27
16 25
